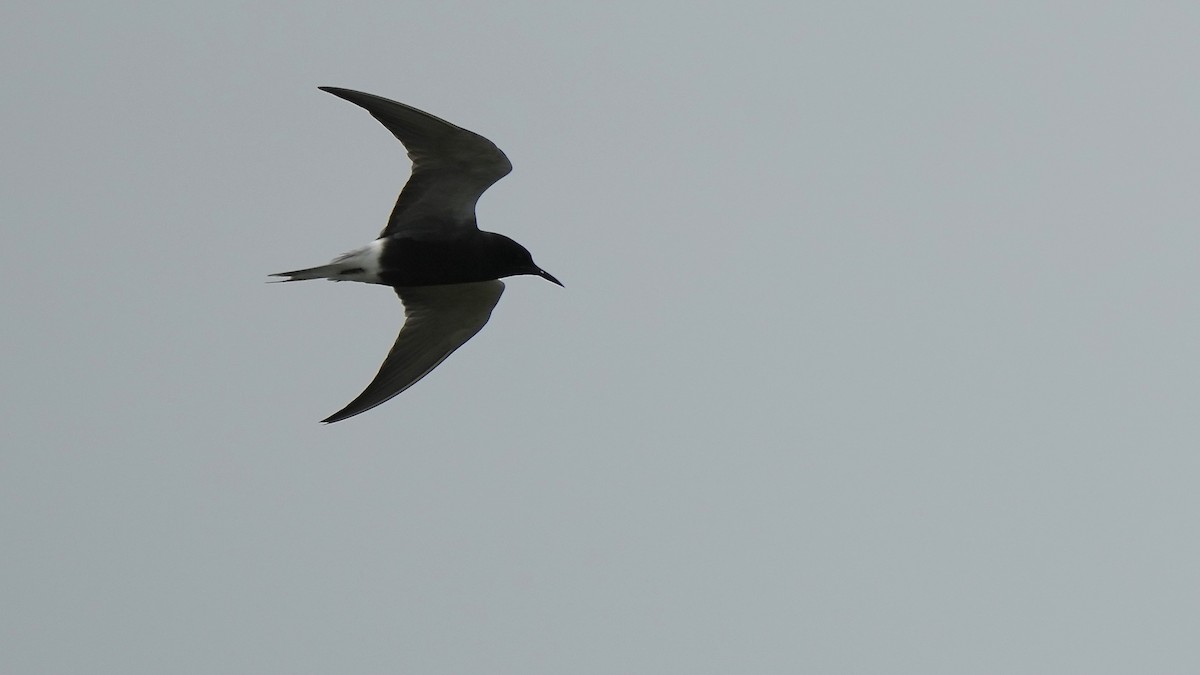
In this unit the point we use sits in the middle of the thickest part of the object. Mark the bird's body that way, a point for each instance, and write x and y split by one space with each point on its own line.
445 270
402 260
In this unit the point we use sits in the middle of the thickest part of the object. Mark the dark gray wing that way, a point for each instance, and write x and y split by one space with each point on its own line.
437 321
451 166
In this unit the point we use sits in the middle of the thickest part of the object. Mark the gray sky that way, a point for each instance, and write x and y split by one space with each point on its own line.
877 353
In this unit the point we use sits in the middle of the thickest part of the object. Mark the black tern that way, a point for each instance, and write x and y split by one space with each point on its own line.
444 268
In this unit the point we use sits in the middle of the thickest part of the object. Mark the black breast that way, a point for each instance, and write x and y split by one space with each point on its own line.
410 261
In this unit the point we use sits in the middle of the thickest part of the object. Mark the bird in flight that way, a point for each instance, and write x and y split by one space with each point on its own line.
444 268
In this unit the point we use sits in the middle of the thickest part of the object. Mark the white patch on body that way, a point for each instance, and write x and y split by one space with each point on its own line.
359 265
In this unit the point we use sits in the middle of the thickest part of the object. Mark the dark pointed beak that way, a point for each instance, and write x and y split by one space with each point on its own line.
548 277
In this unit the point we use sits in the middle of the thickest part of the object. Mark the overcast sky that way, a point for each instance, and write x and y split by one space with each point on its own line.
877 352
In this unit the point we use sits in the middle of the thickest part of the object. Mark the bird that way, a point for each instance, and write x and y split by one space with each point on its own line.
445 270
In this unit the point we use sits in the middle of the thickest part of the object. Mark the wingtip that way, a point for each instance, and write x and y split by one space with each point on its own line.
345 413
335 417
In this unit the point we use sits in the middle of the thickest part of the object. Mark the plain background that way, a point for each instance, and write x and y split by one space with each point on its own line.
877 352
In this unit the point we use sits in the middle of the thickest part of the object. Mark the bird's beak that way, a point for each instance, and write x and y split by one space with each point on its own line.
548 277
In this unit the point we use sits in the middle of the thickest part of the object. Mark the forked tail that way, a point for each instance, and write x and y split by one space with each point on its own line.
332 271
359 265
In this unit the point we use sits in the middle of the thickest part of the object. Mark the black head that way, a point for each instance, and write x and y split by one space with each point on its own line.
512 258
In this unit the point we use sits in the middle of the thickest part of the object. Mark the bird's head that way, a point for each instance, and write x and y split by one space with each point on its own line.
514 259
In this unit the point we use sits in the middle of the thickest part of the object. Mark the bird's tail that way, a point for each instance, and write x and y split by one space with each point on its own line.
358 265
333 271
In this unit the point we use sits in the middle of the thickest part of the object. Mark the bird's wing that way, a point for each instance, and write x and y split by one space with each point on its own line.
437 321
451 166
